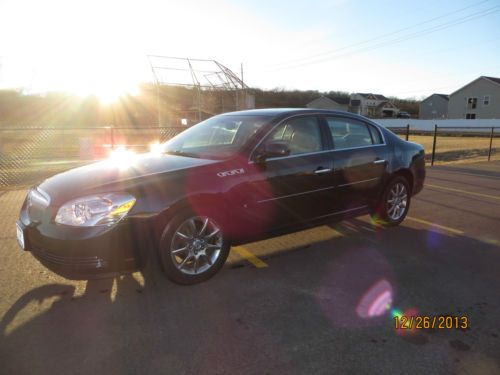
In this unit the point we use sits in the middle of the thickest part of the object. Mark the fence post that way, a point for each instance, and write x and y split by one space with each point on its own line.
434 145
491 142
407 131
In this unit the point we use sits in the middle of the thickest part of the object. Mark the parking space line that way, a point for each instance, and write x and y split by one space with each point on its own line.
247 255
465 174
464 191
421 221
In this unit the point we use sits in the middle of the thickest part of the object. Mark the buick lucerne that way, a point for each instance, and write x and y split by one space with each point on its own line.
234 178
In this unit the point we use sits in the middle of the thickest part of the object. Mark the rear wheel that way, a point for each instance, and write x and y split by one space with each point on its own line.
193 248
395 202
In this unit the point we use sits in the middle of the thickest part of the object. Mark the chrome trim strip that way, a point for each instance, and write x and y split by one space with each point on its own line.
380 161
295 194
41 197
342 212
359 182
317 152
321 171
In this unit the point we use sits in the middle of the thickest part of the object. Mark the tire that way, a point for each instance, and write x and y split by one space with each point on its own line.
192 248
391 214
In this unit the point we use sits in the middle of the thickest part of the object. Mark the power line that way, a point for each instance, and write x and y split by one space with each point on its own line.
397 40
314 59
382 35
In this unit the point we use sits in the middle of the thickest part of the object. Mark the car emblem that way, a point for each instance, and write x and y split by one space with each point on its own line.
231 172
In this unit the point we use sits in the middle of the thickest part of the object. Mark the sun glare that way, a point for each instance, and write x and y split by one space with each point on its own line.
121 158
106 93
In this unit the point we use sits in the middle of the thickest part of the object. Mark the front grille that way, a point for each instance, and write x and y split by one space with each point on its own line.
80 262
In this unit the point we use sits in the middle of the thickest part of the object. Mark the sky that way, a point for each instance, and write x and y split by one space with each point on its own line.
392 47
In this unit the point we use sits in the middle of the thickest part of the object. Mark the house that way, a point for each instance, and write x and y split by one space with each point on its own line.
329 102
479 99
372 105
434 107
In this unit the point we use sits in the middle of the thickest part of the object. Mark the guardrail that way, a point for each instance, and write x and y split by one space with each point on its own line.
488 132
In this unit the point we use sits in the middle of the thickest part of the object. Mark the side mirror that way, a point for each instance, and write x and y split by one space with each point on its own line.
273 149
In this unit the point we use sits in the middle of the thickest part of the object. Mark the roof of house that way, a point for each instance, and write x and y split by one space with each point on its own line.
376 96
386 104
339 99
494 79
491 79
444 96
336 99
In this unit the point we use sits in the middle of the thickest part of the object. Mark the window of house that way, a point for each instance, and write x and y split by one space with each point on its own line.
471 103
470 116
486 100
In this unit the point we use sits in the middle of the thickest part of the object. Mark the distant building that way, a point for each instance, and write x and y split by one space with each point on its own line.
434 107
479 99
329 102
372 105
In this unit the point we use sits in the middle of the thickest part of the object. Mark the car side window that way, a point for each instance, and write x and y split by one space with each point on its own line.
302 135
348 133
377 138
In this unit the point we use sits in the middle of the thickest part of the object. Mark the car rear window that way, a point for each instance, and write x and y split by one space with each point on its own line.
349 133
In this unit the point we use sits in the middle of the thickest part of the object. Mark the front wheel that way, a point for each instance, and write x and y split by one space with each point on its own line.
395 202
192 248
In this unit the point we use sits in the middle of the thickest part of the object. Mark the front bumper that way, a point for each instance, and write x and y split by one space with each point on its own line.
86 253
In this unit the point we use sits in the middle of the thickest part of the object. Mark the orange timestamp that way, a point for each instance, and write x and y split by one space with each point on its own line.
431 322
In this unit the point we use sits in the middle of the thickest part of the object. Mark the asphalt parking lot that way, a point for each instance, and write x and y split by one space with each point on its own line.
302 303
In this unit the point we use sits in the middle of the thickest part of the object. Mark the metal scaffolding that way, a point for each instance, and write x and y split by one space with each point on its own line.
200 74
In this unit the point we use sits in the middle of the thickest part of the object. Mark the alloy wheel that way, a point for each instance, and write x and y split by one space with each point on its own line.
397 201
196 245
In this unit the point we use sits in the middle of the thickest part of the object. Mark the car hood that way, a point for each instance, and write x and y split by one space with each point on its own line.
78 181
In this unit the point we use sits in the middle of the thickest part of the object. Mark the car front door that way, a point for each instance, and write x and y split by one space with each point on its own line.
296 187
359 162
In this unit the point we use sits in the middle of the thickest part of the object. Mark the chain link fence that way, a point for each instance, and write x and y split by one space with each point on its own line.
446 144
28 155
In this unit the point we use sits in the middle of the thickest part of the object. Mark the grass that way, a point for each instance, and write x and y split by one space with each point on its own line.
458 149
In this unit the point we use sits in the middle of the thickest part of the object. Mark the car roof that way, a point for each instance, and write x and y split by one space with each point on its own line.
273 112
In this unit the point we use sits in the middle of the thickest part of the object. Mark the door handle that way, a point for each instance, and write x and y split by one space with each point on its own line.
322 170
379 161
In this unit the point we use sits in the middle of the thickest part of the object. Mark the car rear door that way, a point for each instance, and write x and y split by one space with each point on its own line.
359 162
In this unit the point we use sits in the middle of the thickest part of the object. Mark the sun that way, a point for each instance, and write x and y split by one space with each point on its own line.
106 90
111 94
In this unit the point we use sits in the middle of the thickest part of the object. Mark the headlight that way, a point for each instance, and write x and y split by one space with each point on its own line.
100 209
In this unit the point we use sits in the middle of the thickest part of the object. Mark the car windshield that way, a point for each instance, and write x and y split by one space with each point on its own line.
219 137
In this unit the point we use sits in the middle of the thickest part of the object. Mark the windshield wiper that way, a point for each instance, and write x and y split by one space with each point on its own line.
181 153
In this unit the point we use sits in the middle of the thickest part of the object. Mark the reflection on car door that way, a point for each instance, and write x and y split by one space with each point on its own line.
359 162
294 188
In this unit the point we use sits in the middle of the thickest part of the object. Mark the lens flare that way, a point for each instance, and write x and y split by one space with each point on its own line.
434 238
376 301
155 148
396 313
121 158
357 302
